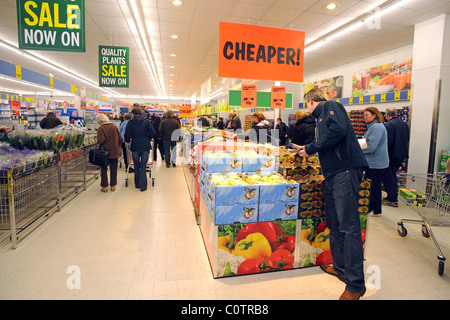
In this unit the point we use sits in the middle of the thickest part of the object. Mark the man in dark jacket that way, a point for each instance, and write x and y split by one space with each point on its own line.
170 133
158 142
398 145
283 131
342 162
140 132
50 121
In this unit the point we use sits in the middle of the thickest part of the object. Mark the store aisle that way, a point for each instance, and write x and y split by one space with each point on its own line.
130 244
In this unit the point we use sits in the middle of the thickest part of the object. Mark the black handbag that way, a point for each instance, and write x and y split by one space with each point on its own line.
99 157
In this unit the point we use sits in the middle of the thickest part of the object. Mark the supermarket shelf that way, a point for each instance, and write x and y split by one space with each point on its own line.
374 98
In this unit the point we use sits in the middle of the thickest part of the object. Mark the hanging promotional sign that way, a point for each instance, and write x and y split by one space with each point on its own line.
278 97
184 111
261 53
248 95
113 66
56 25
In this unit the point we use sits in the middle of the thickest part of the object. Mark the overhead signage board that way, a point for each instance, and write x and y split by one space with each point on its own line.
185 111
260 53
52 25
114 66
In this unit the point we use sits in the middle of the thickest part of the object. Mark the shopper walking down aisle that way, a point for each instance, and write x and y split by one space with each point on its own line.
126 118
168 130
377 156
303 130
398 140
283 131
158 142
342 164
109 137
140 132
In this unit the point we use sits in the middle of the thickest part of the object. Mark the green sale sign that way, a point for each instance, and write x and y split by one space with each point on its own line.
113 66
56 25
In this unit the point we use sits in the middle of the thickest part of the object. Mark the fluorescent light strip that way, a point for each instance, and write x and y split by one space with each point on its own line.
312 45
141 31
54 66
36 86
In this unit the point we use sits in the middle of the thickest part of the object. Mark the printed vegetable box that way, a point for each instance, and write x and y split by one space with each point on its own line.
255 248
267 164
278 211
232 189
252 164
236 213
274 188
279 193
314 245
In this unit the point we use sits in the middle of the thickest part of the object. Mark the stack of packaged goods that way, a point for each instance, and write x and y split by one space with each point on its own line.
412 197
357 120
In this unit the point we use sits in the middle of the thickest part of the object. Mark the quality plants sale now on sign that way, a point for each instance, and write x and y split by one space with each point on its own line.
113 66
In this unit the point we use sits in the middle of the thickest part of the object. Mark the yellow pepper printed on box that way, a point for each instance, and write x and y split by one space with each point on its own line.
254 246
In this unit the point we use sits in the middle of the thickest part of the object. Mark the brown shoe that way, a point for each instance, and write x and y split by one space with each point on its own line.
113 188
328 268
105 189
348 295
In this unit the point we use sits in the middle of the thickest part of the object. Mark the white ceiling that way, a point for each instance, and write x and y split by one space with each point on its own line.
196 22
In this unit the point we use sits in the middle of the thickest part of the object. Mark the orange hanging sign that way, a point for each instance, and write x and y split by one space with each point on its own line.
278 97
261 53
248 95
184 111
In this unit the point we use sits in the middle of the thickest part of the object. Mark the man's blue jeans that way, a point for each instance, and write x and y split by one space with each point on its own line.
170 150
140 159
342 218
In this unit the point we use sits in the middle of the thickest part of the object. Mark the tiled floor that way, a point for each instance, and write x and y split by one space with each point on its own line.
129 244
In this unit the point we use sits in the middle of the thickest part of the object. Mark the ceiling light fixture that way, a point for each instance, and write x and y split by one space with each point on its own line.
143 40
177 2
174 36
355 23
172 67
332 6
173 55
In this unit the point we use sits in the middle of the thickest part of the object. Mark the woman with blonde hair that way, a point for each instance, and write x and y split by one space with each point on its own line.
109 137
376 155
303 130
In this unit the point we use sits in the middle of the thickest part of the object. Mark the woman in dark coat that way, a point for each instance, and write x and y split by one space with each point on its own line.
140 132
303 130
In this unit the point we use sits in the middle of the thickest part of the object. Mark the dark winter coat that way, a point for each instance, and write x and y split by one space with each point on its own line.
167 128
398 140
303 131
50 122
140 132
336 141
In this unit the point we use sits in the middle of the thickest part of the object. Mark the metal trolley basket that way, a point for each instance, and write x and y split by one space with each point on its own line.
149 166
429 196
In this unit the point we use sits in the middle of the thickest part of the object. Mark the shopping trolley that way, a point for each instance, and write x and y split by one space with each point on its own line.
429 196
149 165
